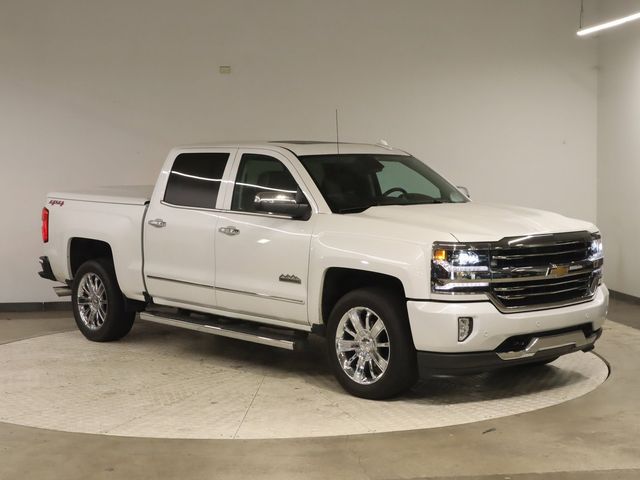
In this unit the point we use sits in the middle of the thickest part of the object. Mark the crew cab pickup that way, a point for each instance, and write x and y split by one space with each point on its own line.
365 245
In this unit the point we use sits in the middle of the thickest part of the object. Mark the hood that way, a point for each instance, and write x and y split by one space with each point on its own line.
478 222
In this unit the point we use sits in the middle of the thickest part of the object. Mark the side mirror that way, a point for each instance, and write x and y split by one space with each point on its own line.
293 205
464 190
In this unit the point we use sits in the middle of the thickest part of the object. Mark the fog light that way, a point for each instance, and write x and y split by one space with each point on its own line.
465 326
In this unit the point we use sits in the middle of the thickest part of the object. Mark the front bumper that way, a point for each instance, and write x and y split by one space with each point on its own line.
552 346
434 327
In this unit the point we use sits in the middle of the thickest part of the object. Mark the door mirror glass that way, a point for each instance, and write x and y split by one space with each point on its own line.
464 190
293 205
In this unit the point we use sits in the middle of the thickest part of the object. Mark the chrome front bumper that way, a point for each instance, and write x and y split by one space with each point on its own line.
576 339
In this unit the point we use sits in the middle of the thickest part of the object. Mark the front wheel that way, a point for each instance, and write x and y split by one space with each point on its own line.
370 345
98 303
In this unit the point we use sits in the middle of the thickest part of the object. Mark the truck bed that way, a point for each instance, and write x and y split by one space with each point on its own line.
112 215
125 195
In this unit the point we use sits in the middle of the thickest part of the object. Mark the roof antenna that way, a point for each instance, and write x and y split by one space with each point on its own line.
337 135
384 144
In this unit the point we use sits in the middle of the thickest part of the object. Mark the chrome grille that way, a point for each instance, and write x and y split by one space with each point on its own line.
541 254
542 271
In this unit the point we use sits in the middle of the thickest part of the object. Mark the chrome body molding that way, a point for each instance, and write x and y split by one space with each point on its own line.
575 339
174 280
230 290
261 295
240 314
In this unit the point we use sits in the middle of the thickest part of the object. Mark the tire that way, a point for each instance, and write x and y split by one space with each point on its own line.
98 303
394 345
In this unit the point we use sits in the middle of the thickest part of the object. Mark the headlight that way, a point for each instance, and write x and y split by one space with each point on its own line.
459 268
595 250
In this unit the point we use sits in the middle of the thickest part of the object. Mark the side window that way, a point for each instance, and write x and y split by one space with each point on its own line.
259 173
195 178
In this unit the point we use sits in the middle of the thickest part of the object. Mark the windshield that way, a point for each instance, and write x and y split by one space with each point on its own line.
351 183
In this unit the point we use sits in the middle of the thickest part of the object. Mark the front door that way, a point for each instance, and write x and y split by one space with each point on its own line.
179 230
262 259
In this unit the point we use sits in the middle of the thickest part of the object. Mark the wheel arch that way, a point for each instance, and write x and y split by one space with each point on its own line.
338 281
82 249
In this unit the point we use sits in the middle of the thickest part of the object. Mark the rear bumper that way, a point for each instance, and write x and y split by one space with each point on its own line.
540 347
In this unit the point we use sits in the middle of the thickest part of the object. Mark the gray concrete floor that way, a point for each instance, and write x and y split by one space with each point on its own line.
596 436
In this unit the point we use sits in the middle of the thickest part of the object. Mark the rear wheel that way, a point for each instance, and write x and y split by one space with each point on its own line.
98 303
370 345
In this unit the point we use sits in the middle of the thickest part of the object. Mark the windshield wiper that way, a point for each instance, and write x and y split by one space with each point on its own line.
429 202
359 209
362 208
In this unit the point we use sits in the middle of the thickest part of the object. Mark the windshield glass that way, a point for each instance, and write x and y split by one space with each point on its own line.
351 183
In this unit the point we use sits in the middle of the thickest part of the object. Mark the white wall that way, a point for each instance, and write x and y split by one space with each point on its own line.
619 148
499 95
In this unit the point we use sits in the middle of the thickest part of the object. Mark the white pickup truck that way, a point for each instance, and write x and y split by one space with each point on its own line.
362 244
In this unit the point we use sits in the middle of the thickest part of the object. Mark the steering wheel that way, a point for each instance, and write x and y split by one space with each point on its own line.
395 189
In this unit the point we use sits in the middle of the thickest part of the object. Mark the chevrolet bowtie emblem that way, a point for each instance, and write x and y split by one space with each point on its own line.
557 271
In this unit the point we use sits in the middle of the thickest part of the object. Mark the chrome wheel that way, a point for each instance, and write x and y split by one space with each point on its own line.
362 345
92 301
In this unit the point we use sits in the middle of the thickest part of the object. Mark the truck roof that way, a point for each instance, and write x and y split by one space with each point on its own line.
305 147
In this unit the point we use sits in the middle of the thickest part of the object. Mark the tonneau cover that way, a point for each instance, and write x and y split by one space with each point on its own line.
126 194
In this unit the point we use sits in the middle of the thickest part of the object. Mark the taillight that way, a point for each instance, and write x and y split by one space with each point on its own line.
45 225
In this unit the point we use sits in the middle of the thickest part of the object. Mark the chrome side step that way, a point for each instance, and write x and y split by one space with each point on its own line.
240 331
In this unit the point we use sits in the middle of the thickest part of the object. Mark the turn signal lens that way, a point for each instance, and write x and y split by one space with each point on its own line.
45 225
440 254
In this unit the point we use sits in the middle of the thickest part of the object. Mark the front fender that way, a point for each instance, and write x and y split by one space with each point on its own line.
407 261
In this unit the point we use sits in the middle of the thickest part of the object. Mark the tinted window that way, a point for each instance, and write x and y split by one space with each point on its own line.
351 183
195 178
259 173
399 175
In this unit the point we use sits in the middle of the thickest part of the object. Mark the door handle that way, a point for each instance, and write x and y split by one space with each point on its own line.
229 230
158 223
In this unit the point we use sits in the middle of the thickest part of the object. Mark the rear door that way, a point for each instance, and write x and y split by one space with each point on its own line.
179 229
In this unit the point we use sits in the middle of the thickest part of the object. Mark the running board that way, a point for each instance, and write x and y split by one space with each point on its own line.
249 333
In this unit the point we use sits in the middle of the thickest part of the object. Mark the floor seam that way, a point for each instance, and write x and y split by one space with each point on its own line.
235 435
37 336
